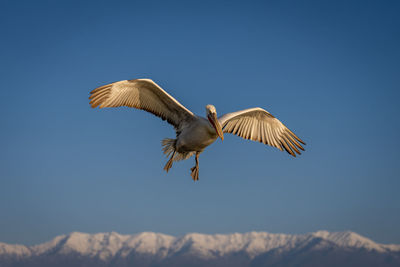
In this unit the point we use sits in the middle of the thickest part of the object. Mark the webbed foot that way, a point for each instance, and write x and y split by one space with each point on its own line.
195 173
169 163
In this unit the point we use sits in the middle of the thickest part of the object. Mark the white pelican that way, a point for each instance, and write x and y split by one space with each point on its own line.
194 133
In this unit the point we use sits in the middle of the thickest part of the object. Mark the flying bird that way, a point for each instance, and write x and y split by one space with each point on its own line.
194 133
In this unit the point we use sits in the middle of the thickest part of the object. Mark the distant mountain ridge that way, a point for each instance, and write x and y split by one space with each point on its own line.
149 249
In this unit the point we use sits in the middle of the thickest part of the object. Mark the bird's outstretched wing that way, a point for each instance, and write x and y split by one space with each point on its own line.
141 94
259 125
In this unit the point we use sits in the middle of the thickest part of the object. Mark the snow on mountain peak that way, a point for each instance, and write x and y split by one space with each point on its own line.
350 239
14 250
107 245
150 243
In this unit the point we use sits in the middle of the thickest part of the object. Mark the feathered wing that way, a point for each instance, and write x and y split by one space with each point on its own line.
141 94
259 125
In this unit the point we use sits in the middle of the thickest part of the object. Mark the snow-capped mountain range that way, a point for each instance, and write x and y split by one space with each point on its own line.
320 248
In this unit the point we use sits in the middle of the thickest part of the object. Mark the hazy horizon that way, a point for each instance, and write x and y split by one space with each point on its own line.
249 249
193 233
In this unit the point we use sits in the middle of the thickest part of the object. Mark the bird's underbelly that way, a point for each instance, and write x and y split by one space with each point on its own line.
194 140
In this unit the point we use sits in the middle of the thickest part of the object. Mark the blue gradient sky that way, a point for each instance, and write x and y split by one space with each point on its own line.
329 70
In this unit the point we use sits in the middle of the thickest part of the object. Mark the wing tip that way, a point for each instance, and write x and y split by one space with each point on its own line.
93 105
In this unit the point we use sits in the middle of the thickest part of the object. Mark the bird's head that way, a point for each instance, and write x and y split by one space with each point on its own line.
212 117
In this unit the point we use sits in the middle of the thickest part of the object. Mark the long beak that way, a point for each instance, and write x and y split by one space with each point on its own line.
217 126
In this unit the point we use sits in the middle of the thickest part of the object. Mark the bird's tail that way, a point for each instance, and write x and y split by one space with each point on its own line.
169 148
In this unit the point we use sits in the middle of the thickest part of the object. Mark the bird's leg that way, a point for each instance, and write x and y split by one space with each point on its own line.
169 163
195 169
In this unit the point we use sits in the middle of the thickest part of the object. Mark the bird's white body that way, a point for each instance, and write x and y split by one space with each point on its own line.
196 136
194 133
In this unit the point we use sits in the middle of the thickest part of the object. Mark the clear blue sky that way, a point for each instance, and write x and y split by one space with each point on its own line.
329 70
